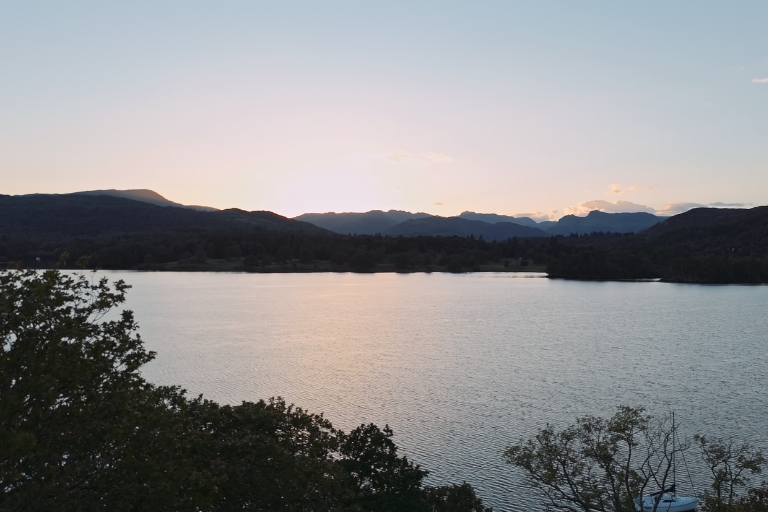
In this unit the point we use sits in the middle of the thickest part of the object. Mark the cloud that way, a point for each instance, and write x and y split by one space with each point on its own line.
614 189
676 208
438 203
760 80
538 216
438 158
394 155
730 205
398 155
608 207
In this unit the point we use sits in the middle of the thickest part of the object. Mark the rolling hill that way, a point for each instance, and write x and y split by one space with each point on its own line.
144 195
597 221
367 223
449 226
63 216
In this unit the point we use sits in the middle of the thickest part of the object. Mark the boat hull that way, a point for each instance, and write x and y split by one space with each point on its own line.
671 504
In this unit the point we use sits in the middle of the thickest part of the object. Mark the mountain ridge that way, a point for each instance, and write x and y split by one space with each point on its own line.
377 221
65 216
144 195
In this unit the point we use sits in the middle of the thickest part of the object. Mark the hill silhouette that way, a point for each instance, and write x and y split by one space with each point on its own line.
704 245
53 216
143 195
367 223
597 221
494 218
377 221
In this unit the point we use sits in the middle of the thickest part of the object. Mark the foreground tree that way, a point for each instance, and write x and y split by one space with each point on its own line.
730 465
610 464
80 429
599 464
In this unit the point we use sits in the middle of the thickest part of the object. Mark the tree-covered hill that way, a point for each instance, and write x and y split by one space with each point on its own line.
366 223
449 226
60 217
597 221
706 245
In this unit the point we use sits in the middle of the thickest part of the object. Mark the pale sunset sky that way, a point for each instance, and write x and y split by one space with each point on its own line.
542 108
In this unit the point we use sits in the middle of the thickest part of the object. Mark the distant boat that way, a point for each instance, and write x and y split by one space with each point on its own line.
669 501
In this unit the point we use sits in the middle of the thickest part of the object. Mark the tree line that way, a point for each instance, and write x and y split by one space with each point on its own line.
265 249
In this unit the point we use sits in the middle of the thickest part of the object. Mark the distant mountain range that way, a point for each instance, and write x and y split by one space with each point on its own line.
597 221
63 216
490 226
97 212
493 218
368 223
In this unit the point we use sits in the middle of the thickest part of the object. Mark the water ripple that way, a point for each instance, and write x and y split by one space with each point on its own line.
461 366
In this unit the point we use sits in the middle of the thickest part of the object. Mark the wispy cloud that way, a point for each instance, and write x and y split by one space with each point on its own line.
760 80
397 155
438 203
615 189
538 216
635 188
608 207
676 208
730 205
438 158
394 155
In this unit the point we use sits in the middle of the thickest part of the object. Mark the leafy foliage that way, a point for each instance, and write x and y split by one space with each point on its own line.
598 464
730 466
609 464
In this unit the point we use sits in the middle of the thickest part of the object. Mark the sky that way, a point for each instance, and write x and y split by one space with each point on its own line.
539 108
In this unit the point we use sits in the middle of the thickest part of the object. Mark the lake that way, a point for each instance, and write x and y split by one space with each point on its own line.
460 366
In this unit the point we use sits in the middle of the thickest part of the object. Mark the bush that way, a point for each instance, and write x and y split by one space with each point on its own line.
363 261
283 254
251 262
233 251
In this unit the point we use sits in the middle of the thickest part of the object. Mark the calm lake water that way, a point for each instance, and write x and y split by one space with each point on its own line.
460 366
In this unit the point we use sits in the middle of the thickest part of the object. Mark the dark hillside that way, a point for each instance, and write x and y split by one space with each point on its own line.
367 223
699 218
706 245
64 216
457 226
143 195
597 221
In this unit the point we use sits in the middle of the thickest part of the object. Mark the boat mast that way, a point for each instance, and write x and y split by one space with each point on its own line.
674 469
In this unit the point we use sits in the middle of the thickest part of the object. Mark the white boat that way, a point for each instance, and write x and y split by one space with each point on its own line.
670 503
668 500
